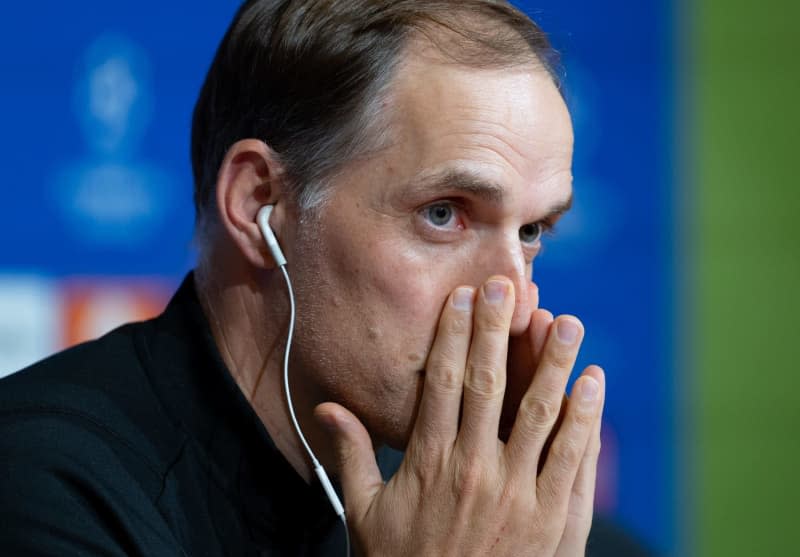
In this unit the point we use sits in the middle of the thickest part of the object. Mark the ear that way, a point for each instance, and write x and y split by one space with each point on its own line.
249 178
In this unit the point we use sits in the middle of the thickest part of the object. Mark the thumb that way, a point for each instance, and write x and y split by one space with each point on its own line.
358 470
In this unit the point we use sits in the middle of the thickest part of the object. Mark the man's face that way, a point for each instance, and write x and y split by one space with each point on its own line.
479 162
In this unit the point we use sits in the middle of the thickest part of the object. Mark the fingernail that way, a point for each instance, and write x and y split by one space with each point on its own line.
567 331
495 291
589 389
462 299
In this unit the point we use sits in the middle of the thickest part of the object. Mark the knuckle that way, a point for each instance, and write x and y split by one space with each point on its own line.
539 412
492 322
567 453
593 450
561 358
579 496
469 477
446 378
583 420
483 380
457 326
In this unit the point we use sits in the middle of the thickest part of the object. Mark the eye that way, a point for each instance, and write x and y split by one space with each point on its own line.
530 233
440 214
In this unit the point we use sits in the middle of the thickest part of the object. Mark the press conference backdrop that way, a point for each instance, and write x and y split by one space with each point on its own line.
96 230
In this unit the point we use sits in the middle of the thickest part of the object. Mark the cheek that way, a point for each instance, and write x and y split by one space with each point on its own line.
396 294
412 287
368 296
414 297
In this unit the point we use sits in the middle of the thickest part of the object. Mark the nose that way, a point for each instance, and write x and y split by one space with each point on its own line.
509 261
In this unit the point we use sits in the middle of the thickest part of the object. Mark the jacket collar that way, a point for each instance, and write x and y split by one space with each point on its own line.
205 403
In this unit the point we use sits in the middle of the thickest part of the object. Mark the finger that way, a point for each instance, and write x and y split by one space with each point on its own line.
541 322
524 353
581 502
485 373
358 470
570 443
533 295
540 325
541 405
437 419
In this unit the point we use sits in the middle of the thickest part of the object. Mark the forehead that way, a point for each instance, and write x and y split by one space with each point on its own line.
509 125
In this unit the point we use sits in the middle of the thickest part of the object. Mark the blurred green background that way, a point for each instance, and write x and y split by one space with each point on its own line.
743 277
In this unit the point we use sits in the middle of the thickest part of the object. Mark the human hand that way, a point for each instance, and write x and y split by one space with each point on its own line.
525 353
460 490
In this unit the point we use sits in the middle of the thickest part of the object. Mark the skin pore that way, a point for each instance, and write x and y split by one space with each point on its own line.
479 165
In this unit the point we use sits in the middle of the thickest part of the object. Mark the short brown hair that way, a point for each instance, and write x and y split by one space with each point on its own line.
307 77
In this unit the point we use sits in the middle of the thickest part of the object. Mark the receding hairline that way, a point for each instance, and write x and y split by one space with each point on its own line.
481 36
422 46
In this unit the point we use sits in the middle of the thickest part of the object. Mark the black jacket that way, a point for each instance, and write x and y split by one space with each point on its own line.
141 444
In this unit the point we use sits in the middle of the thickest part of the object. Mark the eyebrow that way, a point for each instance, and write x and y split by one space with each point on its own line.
473 184
561 208
463 181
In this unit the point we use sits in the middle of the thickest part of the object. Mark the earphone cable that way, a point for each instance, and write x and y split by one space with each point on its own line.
318 469
346 534
286 389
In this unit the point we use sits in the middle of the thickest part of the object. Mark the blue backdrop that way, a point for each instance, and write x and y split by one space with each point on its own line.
96 104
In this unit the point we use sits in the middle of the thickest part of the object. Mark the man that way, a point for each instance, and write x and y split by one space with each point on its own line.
413 154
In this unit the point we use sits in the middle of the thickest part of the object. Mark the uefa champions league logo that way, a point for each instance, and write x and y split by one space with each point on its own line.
110 196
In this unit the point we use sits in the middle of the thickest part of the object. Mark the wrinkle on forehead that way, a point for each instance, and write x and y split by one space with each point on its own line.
515 114
509 127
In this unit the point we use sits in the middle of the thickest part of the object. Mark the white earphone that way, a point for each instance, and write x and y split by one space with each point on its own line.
262 219
269 235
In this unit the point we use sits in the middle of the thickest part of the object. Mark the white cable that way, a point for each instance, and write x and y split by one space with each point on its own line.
346 535
318 469
286 389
